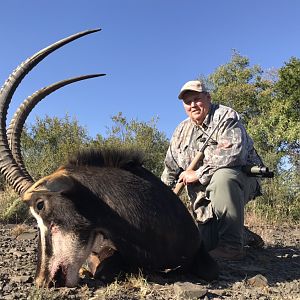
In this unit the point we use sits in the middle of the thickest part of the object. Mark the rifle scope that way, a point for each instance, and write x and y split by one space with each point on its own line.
258 171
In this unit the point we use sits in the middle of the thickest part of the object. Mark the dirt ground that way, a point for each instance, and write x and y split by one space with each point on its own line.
269 273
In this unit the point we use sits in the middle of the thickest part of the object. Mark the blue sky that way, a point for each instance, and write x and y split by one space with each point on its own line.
147 48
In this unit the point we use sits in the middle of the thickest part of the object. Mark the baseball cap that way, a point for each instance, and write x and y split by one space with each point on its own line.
193 85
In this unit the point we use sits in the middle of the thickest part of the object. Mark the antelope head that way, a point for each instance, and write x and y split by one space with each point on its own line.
50 262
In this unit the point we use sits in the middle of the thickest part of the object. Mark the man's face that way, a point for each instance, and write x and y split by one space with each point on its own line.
196 105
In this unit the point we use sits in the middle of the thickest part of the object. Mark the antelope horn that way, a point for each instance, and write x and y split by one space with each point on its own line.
16 125
13 174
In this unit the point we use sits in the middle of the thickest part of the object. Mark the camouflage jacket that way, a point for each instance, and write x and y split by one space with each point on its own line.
230 146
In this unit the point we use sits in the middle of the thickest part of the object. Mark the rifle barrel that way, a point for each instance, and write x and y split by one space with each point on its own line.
199 156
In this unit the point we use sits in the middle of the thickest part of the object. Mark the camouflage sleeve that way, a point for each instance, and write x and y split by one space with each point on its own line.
170 171
231 149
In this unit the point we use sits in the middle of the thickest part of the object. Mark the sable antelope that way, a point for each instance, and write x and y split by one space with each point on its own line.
102 203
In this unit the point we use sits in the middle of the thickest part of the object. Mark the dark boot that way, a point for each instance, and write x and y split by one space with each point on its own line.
252 239
204 266
227 252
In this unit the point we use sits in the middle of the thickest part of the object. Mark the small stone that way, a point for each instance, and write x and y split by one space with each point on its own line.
17 254
218 292
27 236
30 249
7 288
188 290
8 297
258 281
22 279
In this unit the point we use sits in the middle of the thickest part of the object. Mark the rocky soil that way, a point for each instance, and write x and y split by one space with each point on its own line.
269 273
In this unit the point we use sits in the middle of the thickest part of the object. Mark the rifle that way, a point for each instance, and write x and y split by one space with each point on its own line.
199 156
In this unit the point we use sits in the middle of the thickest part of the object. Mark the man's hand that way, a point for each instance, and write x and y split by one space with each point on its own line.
187 177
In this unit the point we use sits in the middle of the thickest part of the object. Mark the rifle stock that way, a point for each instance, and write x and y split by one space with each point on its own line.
180 185
199 156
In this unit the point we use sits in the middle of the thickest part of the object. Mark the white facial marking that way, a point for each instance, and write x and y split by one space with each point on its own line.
68 253
43 231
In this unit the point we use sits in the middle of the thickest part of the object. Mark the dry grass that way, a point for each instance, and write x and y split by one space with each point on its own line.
257 214
19 229
40 294
57 294
134 287
6 198
12 209
253 219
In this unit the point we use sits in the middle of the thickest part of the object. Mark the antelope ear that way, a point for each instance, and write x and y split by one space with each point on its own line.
58 184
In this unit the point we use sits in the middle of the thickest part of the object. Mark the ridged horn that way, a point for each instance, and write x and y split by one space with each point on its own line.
15 128
8 166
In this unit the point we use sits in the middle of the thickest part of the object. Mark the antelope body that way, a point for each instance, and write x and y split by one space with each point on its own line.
101 204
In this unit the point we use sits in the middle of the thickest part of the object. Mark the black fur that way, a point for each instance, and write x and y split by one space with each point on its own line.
112 193
149 224
107 157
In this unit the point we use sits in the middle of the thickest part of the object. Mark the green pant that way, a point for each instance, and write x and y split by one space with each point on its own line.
229 190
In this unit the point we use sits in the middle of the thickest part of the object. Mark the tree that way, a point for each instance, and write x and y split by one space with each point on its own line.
268 103
138 135
234 84
49 142
285 112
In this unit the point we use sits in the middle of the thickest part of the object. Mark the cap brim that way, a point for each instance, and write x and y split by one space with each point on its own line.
180 96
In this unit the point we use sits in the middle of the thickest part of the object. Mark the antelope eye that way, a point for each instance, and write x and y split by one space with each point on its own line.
40 204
